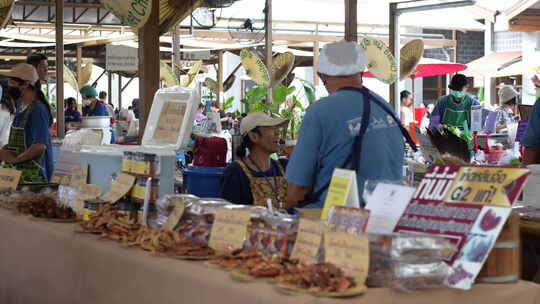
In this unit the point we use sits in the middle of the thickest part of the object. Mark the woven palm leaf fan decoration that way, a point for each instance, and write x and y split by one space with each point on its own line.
171 12
255 68
134 13
211 84
192 73
282 66
69 77
381 62
409 57
86 72
6 7
167 75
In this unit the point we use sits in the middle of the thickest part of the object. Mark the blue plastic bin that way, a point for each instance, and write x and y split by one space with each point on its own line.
203 181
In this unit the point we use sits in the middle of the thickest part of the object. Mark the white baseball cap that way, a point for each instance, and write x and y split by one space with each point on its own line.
344 58
23 71
259 119
507 92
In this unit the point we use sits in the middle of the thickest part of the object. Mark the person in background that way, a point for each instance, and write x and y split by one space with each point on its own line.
352 128
531 140
103 99
222 116
72 116
39 61
407 116
256 178
200 117
29 148
508 97
7 113
454 110
91 105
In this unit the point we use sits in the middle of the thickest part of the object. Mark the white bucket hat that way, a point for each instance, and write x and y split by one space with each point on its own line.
259 119
343 58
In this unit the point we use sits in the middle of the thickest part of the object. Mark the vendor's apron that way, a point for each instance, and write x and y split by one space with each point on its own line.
17 144
455 117
261 189
353 160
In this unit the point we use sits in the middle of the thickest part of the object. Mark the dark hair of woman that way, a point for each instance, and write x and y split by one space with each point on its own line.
6 101
41 97
511 102
404 94
246 144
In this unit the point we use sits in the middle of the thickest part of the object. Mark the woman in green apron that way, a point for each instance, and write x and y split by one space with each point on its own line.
256 179
29 148
454 110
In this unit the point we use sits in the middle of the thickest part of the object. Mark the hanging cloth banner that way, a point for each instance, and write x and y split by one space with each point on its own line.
134 13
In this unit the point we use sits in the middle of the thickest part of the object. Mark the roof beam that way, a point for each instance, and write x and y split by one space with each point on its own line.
66 4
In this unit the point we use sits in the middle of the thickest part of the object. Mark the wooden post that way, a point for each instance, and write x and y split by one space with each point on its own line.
109 87
120 91
221 68
59 26
176 62
268 43
316 51
351 22
79 64
148 65
393 40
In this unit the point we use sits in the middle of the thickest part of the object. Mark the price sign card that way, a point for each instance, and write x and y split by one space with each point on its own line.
343 191
85 192
79 175
308 241
9 178
349 252
348 219
229 230
170 121
468 205
386 205
119 187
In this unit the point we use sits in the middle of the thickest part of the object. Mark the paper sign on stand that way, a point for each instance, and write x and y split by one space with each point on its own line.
343 191
386 205
119 187
348 252
79 175
9 178
229 230
468 206
170 121
85 192
308 241
476 118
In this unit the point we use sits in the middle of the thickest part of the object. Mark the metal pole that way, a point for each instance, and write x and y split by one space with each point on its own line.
268 45
351 24
394 48
316 48
60 122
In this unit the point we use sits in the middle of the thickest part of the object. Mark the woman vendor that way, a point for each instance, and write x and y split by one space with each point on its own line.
454 110
256 178
506 113
29 147
92 106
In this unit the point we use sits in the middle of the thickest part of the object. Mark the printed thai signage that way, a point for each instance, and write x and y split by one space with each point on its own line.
467 205
121 58
135 13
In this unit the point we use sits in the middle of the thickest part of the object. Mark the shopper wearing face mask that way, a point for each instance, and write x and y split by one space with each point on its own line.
29 147
92 106
454 110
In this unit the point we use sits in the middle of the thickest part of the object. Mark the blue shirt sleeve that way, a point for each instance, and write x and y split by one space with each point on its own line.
532 135
77 116
101 109
302 167
439 108
38 123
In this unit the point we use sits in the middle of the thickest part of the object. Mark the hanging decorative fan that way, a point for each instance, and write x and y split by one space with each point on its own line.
409 57
86 72
69 77
381 61
282 65
167 75
248 30
211 84
134 13
6 7
255 68
192 73
171 12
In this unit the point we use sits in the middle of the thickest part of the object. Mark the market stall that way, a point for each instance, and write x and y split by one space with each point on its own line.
55 265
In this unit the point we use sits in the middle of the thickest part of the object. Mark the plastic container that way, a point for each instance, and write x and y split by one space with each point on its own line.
96 122
494 156
203 181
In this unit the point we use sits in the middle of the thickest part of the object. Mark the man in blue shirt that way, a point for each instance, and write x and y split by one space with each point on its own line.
531 140
332 124
91 105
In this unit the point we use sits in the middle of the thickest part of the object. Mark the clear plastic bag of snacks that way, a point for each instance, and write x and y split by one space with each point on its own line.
272 233
166 204
410 247
411 277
